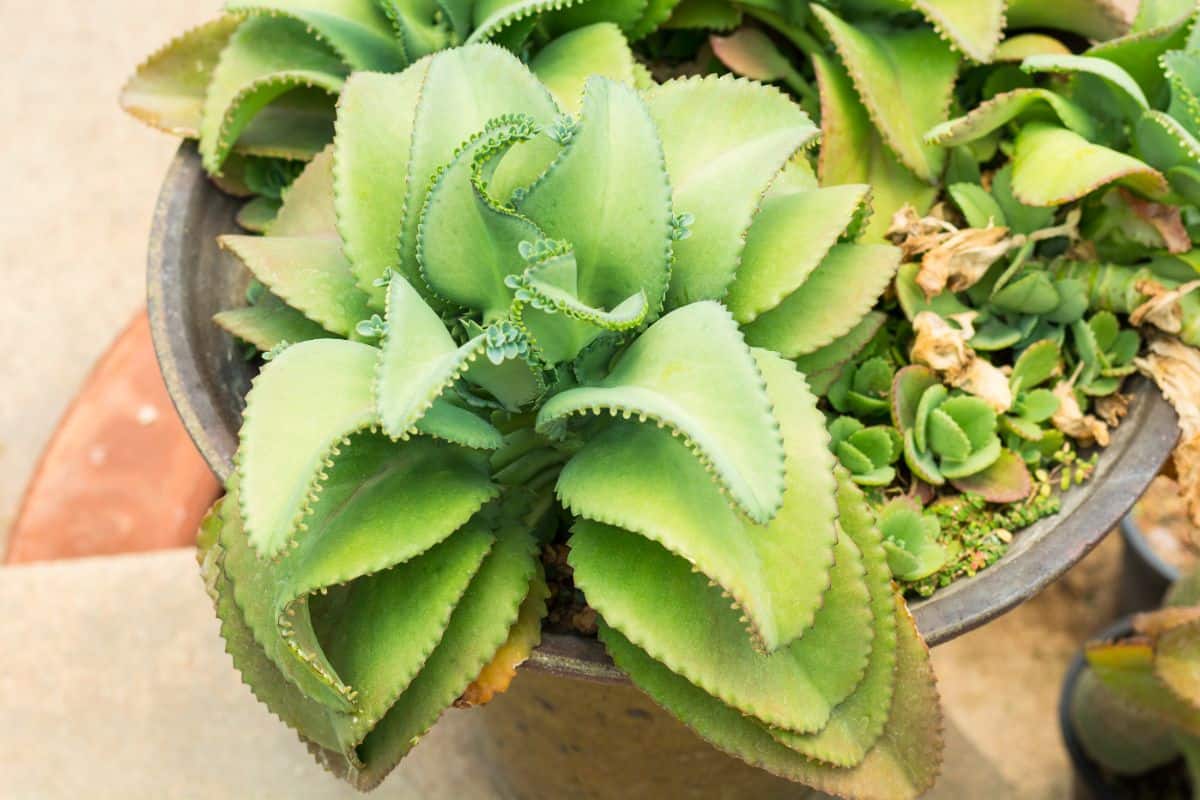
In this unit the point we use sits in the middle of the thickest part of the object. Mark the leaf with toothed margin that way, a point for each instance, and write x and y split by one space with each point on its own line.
707 14
1023 45
419 26
822 367
418 360
830 303
258 671
1176 655
904 79
1126 667
902 765
788 240
269 322
974 27
357 30
857 723
444 420
1126 87
698 635
478 628
608 195
468 242
1158 29
1164 143
720 172
1053 166
309 273
566 63
640 478
167 90
301 406
266 57
464 88
307 208
853 152
382 505
692 372
1001 109
1182 69
563 326
370 169
657 12
492 18
1094 19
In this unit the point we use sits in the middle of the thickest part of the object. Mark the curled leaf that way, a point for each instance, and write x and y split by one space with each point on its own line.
1162 308
943 347
1071 420
1175 367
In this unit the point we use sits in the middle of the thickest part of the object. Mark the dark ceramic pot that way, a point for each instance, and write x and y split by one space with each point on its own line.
189 279
1089 781
1145 575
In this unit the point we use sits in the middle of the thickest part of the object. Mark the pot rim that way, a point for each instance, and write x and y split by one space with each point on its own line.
1039 555
1131 532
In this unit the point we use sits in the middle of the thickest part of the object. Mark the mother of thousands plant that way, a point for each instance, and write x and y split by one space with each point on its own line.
509 296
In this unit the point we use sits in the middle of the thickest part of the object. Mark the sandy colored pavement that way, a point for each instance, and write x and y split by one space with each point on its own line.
112 680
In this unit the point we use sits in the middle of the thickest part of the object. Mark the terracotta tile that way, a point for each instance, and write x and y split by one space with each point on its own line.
120 473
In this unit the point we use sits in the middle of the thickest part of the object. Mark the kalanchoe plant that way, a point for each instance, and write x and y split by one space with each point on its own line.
261 81
544 296
1135 707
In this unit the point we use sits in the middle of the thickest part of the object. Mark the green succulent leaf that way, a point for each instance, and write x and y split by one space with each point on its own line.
790 237
699 636
978 206
357 30
1127 88
824 366
371 152
852 151
1159 28
904 79
469 242
973 28
283 445
994 113
910 538
566 63
418 360
266 58
1126 668
609 196
776 572
835 298
719 173
1006 480
309 273
268 324
1093 19
1176 656
1053 166
1037 364
901 764
673 374
463 90
167 91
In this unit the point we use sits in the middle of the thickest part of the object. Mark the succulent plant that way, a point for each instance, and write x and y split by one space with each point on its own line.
946 435
261 80
576 322
910 537
867 453
1135 707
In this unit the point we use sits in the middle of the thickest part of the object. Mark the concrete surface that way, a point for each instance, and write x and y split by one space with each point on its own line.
80 182
112 679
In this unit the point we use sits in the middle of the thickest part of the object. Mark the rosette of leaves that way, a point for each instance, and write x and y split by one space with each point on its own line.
1136 705
867 453
947 435
548 340
910 537
1105 351
262 79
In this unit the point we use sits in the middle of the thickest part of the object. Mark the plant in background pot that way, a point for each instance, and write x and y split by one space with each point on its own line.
1131 704
546 359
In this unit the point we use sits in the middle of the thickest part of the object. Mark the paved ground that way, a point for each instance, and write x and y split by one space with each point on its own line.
112 683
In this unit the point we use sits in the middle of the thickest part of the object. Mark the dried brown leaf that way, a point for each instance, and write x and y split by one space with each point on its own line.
961 259
1162 308
1070 419
1112 408
944 349
1165 219
1175 368
525 635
